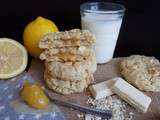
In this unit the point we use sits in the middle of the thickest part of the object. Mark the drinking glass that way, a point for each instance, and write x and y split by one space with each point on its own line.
103 19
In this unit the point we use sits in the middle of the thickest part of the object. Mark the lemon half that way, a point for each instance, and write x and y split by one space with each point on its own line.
13 58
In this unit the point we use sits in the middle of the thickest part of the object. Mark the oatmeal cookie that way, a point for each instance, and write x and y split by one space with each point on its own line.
141 71
71 54
75 37
71 71
66 87
78 50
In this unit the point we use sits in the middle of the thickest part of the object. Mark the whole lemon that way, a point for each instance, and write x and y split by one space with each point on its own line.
34 31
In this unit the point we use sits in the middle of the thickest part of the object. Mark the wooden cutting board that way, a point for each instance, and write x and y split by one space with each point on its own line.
104 72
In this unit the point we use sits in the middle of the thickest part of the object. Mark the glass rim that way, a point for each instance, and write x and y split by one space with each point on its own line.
83 8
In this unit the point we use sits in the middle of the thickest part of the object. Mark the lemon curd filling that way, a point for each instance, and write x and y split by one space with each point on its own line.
34 96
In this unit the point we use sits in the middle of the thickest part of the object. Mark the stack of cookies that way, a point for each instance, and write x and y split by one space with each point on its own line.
69 60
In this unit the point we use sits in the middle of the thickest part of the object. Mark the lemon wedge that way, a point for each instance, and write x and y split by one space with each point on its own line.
13 58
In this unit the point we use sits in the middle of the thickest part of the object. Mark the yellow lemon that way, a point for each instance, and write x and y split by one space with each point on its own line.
34 31
13 58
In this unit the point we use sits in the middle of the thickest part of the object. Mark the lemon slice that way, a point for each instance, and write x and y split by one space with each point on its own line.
13 58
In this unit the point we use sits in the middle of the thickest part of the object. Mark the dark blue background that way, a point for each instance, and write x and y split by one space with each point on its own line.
140 32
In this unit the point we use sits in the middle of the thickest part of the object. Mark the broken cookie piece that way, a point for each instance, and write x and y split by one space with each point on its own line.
75 37
70 54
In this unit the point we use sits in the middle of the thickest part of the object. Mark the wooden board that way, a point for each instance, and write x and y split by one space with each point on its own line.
104 72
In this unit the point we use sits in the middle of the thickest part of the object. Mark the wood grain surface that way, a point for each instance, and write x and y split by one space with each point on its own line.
104 72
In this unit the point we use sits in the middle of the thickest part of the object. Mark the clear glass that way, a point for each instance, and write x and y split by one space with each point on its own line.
104 20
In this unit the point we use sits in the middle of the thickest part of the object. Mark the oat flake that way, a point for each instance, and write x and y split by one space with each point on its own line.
120 109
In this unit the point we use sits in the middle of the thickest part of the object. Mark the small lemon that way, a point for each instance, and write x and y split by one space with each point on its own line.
34 31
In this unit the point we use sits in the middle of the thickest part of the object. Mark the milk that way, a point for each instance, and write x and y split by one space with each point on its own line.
106 29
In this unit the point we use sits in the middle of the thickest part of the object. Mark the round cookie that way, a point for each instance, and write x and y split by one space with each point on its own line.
71 71
142 72
66 87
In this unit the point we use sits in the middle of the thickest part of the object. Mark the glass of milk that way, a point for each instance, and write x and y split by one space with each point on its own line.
104 20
